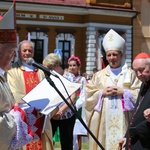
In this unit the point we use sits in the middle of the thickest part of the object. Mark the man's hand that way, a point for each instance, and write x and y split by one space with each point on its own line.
112 91
57 115
120 91
16 104
147 114
122 143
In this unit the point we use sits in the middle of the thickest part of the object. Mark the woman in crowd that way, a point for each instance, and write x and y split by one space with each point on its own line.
79 131
64 118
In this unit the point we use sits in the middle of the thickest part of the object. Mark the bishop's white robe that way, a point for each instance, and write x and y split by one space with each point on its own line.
109 123
7 123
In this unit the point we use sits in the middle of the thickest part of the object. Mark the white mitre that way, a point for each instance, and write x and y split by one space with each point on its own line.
113 41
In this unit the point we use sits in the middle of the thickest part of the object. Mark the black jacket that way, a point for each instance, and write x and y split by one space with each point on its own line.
138 134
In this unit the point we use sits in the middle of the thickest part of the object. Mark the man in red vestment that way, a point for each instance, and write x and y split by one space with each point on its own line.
22 78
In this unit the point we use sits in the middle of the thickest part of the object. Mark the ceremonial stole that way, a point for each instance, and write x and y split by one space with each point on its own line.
31 80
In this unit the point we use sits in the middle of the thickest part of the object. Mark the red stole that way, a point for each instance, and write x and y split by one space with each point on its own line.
31 80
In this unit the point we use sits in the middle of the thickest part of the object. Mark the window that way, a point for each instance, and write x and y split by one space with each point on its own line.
40 39
65 42
65 47
38 50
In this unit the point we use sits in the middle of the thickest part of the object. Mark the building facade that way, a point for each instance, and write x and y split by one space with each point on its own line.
77 27
141 27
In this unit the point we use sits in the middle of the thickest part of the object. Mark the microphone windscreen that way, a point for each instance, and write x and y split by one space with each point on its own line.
30 61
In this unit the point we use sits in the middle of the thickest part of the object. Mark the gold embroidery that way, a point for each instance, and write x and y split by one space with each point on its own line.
31 80
114 123
113 145
35 145
111 37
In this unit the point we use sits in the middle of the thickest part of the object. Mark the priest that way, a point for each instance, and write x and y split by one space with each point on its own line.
111 95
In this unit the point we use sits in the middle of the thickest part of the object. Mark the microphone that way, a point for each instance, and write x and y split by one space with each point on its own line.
30 61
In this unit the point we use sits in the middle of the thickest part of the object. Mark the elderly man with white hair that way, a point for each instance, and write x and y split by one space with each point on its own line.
137 136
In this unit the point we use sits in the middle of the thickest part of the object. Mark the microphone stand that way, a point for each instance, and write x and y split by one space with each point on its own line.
73 110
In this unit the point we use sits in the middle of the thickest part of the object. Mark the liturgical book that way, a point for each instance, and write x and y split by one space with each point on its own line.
45 98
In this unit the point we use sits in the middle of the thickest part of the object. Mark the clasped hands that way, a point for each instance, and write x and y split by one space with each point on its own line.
112 91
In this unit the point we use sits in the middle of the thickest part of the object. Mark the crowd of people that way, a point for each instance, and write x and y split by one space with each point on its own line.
113 102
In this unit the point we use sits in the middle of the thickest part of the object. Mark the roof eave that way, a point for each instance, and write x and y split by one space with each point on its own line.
79 10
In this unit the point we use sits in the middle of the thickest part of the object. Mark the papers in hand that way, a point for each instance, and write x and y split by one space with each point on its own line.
45 98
